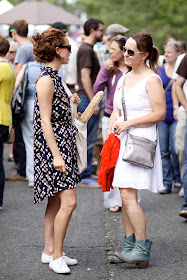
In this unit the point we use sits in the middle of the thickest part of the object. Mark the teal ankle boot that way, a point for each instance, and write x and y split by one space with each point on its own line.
129 243
139 255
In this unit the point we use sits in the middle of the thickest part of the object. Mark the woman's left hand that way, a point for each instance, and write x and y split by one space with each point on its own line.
121 126
75 98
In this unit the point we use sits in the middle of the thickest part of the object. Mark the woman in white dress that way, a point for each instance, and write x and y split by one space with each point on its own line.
145 106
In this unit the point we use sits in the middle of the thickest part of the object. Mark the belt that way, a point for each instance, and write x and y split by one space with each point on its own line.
107 115
70 86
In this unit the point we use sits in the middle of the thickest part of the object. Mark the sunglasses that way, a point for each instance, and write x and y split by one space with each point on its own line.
11 30
66 46
130 52
11 51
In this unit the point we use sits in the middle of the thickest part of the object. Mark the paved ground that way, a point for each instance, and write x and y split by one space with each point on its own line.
93 233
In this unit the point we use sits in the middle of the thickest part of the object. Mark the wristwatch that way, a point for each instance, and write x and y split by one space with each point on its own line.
175 107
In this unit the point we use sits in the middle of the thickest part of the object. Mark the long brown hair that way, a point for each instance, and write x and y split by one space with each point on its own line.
144 43
121 40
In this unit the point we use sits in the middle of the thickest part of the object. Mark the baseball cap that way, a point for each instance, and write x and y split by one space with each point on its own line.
115 29
60 25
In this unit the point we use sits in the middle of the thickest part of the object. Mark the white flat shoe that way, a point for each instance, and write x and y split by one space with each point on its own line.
47 258
59 266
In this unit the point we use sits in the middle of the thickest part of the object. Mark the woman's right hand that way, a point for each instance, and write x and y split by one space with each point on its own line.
109 64
108 132
59 164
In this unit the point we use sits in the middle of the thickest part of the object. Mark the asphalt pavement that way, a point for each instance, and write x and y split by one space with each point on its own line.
92 234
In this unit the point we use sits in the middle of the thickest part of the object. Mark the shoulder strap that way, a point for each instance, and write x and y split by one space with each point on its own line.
123 99
73 106
168 85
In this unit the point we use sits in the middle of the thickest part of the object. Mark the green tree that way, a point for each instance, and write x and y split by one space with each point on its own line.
159 17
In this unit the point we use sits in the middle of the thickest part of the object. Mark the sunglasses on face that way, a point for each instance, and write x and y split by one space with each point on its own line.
130 52
66 46
11 51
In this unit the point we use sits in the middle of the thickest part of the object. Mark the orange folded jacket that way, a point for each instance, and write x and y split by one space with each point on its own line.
109 156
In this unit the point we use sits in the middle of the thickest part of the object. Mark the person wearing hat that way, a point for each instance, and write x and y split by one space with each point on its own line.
111 31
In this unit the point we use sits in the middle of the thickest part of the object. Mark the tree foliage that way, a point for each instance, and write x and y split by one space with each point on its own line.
159 17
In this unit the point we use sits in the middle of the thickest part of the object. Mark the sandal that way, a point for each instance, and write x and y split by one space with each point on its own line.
115 209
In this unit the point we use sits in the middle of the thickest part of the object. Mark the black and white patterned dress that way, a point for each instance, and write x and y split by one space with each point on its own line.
47 180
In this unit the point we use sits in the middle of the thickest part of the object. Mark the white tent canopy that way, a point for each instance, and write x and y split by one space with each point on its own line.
5 6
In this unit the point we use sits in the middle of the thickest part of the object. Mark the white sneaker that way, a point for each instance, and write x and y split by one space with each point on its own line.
59 266
31 184
47 258
68 260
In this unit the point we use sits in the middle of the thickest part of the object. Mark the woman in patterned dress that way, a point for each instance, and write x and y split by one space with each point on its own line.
56 172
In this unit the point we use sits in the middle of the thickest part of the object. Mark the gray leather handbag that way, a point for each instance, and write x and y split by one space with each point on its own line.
139 150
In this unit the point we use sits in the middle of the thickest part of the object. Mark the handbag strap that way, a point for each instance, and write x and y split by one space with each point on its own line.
168 85
124 106
73 105
123 99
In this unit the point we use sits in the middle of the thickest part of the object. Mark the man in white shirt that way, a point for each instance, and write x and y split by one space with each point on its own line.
180 116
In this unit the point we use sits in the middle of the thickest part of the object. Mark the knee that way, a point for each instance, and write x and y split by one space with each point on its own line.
70 206
128 200
125 202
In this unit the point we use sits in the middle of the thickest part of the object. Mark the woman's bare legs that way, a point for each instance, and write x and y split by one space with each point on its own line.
68 203
133 215
53 207
50 214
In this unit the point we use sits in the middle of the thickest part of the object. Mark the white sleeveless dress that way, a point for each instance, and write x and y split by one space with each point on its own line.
127 175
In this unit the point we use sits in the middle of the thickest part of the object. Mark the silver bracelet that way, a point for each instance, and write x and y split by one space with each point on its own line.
175 107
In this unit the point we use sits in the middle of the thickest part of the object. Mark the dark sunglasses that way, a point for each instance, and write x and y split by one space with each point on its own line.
130 52
66 46
11 51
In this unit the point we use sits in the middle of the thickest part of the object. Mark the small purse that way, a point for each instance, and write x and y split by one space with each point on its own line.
139 150
9 137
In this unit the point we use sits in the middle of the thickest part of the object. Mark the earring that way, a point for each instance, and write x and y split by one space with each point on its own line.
142 61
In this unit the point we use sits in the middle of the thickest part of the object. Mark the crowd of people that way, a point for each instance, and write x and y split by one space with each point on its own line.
45 153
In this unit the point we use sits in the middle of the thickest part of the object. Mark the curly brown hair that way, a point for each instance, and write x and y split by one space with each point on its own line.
46 42
4 46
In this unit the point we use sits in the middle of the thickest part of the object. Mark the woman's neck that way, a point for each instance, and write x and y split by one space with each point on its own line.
3 59
54 65
169 69
122 67
141 69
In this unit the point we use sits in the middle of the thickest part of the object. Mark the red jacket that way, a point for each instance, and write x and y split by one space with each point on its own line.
109 155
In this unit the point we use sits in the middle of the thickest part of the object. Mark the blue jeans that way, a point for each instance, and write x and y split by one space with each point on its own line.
3 130
170 162
92 128
184 180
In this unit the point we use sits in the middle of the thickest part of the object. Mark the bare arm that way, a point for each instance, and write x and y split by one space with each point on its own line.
180 92
18 68
175 100
19 78
45 90
157 100
87 85
111 123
